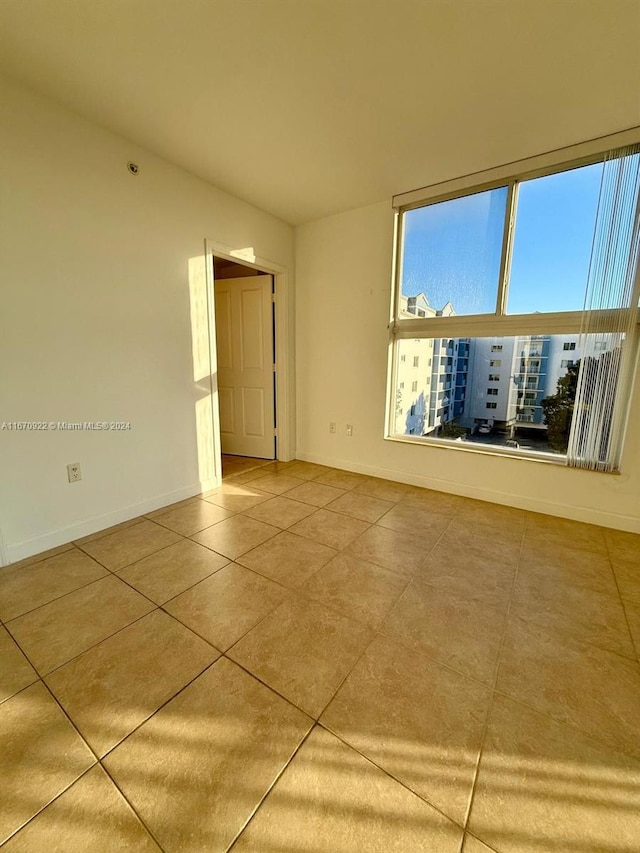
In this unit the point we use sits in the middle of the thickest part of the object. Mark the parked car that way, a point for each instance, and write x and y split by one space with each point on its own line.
484 429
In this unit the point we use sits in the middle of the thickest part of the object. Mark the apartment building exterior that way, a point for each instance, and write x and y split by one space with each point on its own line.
494 382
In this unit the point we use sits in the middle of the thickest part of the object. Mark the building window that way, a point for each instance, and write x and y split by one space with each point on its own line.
416 361
414 385
472 257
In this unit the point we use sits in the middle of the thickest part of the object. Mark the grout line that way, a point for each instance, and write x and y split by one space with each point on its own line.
388 773
158 709
495 681
248 631
36 559
622 600
139 559
93 645
46 805
270 788
108 531
58 597
131 806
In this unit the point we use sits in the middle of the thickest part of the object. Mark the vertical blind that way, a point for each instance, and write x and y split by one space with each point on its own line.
609 357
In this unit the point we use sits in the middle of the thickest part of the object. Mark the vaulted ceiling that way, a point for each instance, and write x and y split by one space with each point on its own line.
310 107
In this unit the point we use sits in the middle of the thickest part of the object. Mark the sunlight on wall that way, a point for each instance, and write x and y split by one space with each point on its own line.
244 254
206 406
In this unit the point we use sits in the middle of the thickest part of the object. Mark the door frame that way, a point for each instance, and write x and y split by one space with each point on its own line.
283 338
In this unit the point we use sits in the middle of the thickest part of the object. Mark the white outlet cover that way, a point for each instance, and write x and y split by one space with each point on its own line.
74 472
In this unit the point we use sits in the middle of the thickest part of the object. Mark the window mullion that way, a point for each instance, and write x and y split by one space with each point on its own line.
507 248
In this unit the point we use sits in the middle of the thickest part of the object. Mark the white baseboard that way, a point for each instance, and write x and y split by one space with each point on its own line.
587 515
62 535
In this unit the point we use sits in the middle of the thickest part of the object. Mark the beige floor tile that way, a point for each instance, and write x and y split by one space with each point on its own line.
583 614
237 498
341 479
416 521
57 632
352 586
43 555
303 650
493 514
288 559
92 816
418 720
235 536
463 633
25 588
627 573
116 685
275 467
595 690
106 531
390 549
41 754
363 507
280 511
622 545
225 606
482 527
632 610
472 566
567 565
15 670
545 786
472 845
315 493
442 502
241 464
307 470
276 484
549 530
192 517
198 768
169 508
386 490
486 548
166 574
330 528
349 805
120 549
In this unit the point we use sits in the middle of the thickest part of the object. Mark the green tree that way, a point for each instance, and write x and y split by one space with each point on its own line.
558 409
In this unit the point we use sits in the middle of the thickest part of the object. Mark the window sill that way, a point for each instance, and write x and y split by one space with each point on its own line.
483 450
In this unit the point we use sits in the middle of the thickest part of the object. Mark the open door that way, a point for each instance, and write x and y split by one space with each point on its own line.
244 337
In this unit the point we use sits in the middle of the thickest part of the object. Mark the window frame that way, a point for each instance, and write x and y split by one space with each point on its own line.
498 323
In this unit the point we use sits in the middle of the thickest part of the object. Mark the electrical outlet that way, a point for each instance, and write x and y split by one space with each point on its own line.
332 426
73 472
349 429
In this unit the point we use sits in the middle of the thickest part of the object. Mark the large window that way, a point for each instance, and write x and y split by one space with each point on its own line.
500 281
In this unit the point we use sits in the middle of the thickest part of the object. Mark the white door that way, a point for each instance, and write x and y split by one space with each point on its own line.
244 333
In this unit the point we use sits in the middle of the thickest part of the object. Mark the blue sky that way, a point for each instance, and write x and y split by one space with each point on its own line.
452 249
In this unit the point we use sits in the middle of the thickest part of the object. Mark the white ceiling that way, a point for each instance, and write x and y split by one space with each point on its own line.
309 107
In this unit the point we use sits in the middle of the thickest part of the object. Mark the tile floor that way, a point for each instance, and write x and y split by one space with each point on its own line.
313 660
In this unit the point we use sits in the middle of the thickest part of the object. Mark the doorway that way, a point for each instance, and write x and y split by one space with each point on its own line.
246 359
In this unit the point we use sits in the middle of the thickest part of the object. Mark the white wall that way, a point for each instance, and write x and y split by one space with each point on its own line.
343 280
95 320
